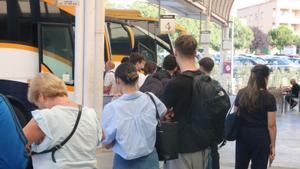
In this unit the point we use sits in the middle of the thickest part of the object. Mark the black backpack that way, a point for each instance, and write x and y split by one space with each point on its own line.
210 104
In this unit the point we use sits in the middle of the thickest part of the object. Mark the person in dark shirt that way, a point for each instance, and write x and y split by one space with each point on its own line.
151 84
206 65
295 91
257 111
178 97
169 70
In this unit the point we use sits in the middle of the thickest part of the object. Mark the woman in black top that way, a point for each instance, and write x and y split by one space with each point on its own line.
257 110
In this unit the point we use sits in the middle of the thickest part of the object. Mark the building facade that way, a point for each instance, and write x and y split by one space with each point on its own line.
271 14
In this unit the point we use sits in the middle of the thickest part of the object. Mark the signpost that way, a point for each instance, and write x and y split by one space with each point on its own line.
205 37
167 24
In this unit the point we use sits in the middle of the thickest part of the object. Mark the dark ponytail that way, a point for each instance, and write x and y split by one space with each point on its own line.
127 73
257 82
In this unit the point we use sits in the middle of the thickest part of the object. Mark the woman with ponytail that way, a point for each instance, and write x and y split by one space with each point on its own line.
257 111
129 123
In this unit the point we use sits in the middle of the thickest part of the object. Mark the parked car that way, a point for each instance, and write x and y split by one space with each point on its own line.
280 62
295 60
258 59
242 60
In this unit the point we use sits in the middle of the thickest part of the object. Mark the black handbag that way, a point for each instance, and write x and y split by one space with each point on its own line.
231 126
166 137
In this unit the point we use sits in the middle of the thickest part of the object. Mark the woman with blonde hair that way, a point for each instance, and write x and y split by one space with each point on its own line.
62 134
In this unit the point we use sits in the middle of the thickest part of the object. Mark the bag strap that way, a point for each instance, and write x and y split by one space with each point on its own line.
157 114
60 145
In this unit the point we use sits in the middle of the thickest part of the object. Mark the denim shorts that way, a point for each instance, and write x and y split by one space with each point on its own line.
147 162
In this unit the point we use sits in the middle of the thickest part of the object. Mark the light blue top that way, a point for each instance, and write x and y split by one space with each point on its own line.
130 122
57 123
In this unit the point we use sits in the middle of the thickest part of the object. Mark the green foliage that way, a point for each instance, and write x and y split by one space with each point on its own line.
281 37
192 26
297 42
260 41
243 35
147 9
215 36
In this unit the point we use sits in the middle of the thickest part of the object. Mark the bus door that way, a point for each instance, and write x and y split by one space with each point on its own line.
56 51
150 46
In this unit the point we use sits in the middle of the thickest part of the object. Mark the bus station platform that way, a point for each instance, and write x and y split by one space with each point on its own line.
287 146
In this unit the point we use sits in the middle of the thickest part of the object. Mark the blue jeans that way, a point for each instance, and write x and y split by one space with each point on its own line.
147 162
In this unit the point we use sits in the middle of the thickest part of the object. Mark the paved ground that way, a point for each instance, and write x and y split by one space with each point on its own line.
287 151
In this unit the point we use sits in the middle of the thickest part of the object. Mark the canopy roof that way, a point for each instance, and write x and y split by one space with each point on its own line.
220 9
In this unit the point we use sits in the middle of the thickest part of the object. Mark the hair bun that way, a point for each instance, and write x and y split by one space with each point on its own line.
132 76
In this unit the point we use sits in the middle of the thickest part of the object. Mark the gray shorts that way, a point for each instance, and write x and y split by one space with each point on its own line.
197 160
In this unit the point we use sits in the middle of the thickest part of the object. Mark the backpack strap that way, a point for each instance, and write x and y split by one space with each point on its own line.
60 145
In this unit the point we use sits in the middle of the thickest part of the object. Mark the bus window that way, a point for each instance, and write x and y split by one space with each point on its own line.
57 50
24 24
119 39
148 54
161 54
24 7
3 20
146 44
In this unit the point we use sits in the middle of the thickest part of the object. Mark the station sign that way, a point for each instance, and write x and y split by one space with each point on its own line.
167 24
205 37
68 2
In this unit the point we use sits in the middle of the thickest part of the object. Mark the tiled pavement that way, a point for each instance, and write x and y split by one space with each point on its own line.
287 150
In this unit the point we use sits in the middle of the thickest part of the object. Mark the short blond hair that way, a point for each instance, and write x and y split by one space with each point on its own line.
46 84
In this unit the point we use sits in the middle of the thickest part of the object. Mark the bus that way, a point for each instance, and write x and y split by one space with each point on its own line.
38 36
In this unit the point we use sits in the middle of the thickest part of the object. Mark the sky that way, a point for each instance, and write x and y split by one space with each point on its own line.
237 4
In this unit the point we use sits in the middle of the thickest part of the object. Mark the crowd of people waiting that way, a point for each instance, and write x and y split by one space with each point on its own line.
129 123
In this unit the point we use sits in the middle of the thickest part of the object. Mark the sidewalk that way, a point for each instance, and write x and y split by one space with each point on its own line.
287 149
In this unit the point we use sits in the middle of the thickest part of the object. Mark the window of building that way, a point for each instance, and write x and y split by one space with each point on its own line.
262 15
119 39
284 12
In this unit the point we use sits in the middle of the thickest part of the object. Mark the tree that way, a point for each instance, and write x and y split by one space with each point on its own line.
243 35
215 41
281 37
297 42
260 39
147 9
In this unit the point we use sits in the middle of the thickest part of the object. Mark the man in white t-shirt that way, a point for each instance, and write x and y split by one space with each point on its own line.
139 61
109 78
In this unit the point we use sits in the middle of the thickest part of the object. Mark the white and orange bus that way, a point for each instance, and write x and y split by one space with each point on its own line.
38 36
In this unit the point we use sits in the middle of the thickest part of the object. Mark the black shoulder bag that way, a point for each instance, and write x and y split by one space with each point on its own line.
166 137
231 126
59 146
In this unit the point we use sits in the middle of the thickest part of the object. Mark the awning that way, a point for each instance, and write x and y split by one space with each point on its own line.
220 9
